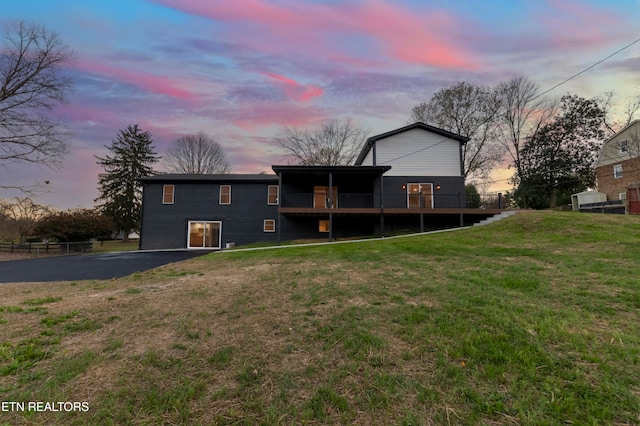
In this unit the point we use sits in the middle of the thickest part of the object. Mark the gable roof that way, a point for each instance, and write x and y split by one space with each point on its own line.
418 125
604 161
177 177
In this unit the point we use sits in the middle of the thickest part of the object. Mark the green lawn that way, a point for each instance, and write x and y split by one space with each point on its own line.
531 320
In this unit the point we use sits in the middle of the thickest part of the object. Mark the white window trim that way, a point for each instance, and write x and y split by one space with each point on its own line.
189 246
264 225
277 195
420 185
623 146
173 193
617 171
220 196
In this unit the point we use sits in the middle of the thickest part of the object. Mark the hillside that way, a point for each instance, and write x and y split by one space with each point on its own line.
530 320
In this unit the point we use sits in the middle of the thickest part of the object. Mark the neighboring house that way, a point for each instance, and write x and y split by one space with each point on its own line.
618 165
408 179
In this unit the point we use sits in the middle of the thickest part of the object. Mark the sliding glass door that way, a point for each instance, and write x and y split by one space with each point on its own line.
204 234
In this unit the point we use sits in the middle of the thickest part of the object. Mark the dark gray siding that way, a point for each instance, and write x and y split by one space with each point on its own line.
450 195
164 226
307 227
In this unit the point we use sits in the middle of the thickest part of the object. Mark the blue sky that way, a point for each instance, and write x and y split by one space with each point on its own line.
241 70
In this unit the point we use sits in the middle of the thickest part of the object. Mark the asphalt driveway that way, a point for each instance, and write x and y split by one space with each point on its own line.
101 266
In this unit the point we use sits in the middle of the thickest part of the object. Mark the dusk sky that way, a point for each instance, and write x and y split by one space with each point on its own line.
240 70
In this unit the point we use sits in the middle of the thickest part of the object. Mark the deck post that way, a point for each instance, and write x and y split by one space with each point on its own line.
381 205
279 217
331 206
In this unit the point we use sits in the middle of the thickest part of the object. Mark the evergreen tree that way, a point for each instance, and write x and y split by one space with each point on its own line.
132 157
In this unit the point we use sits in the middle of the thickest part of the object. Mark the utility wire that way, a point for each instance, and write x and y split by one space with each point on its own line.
587 69
535 97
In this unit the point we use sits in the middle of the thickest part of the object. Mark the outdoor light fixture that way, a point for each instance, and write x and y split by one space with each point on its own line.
437 187
404 186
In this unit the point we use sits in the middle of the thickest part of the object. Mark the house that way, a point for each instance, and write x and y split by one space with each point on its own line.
207 211
618 164
409 179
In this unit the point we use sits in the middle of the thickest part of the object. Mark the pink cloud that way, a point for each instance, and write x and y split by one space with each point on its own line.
271 114
320 29
145 81
295 90
413 38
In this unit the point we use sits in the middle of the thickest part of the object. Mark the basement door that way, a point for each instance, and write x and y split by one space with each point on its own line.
420 195
204 234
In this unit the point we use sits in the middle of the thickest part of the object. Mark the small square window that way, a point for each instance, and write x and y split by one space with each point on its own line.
323 226
225 194
622 196
167 194
617 171
272 195
269 225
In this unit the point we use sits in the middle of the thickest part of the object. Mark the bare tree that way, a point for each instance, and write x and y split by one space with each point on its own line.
23 214
332 143
470 111
524 112
197 154
615 122
30 84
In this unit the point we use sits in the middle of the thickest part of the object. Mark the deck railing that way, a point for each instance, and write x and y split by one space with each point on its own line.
308 200
398 200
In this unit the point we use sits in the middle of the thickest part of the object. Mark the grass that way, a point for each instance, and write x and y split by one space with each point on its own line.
531 320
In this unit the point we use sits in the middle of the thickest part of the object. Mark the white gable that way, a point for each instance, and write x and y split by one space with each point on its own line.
623 146
417 152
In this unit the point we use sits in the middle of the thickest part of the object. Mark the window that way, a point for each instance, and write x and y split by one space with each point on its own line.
623 146
167 194
272 195
269 225
622 196
617 171
225 194
323 226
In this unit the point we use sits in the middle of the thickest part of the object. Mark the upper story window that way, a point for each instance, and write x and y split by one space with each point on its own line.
617 171
225 194
623 146
167 194
272 195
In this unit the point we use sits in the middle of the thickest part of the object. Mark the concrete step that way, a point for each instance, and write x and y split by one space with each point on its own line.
496 217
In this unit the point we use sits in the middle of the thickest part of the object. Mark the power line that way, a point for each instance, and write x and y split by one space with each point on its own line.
535 97
587 69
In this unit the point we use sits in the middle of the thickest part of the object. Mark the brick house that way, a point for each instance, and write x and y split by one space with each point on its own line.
618 165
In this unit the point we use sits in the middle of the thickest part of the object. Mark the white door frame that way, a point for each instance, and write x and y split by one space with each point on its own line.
420 185
204 240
